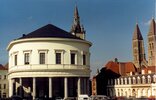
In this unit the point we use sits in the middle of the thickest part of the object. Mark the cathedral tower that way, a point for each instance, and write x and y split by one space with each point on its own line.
138 48
76 28
152 44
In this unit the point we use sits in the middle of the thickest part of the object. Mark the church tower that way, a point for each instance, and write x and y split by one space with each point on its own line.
138 48
76 28
152 44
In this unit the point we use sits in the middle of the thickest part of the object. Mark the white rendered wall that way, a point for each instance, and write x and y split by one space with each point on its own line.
49 45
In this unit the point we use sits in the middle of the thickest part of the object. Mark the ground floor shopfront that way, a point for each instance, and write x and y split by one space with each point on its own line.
49 87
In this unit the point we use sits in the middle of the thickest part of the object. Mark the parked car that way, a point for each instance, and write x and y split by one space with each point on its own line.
16 97
99 97
83 97
58 98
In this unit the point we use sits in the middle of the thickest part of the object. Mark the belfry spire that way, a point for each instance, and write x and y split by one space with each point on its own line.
137 33
76 16
76 28
138 48
152 43
152 28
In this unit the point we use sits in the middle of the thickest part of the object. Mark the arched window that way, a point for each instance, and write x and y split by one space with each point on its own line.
143 80
138 80
149 78
115 82
134 80
111 81
121 80
108 82
122 92
154 78
125 80
118 82
129 80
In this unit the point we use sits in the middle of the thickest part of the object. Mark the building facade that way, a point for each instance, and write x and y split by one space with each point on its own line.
50 62
142 82
135 79
3 82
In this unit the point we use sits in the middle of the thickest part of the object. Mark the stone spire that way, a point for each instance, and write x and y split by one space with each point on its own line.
138 48
152 28
152 44
76 28
137 33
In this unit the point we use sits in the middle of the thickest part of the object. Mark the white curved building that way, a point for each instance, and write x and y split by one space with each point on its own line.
50 62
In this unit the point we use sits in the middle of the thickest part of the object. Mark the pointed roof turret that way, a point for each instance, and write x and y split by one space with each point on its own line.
137 33
76 27
76 13
152 28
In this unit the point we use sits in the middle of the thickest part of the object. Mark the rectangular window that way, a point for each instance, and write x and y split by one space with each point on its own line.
84 59
0 94
26 58
4 86
72 56
42 58
4 77
58 58
15 60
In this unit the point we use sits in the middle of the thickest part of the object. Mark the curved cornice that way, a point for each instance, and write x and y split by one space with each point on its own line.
45 39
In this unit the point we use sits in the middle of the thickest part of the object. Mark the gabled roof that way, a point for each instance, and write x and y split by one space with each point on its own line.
2 67
137 34
49 31
150 68
152 28
121 67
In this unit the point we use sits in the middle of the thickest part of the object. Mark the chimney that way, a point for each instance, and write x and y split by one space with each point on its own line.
142 71
116 60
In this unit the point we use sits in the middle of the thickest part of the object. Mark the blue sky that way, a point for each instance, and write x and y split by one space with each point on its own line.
109 24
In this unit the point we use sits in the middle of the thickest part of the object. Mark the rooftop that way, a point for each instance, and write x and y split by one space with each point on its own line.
49 31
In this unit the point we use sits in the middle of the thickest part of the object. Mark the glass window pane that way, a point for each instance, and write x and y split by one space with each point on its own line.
72 58
26 58
42 58
58 58
15 59
84 59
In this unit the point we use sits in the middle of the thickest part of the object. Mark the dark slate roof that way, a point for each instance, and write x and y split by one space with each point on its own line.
49 31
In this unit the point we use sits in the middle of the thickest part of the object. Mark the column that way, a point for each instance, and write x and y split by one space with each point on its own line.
65 88
11 81
50 87
34 88
79 86
20 86
16 87
88 86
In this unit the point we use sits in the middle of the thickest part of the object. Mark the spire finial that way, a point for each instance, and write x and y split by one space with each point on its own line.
136 21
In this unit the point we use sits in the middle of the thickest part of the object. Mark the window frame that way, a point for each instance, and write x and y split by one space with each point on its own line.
61 51
75 61
45 52
29 57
